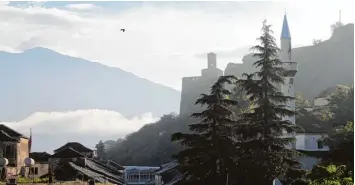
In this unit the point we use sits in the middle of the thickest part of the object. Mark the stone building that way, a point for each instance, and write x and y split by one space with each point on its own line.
41 166
14 147
74 161
193 87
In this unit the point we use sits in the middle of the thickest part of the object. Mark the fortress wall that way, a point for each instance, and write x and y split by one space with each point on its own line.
191 91
211 73
188 84
193 87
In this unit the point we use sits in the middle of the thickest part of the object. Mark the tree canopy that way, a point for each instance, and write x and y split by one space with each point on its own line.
208 151
261 131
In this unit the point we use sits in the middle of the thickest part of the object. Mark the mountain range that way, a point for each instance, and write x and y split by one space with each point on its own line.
41 80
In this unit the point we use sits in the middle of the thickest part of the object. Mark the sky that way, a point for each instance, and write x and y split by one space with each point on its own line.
162 42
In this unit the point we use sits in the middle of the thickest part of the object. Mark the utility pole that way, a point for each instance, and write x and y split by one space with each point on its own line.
339 16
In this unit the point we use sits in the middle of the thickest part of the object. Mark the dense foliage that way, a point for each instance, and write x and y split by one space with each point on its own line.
341 144
209 152
330 175
101 151
151 144
342 106
261 131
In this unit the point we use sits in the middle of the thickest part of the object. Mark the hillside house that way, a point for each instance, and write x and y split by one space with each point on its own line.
75 161
14 147
41 166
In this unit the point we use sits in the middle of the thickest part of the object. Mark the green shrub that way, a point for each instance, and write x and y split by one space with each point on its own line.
31 180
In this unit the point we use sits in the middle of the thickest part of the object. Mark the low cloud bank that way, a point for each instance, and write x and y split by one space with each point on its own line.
50 130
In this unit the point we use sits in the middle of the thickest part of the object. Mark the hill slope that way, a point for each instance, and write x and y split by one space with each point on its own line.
42 80
326 64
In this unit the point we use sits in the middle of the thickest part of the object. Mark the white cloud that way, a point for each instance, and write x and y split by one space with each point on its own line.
164 39
95 122
50 130
81 6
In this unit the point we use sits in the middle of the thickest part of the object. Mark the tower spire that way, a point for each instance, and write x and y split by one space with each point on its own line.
285 34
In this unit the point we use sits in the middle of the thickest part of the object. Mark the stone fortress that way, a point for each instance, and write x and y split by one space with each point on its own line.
193 87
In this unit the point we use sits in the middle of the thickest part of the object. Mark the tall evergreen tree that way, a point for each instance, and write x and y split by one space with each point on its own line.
262 133
208 152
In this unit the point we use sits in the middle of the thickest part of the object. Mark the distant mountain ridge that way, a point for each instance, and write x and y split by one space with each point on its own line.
40 79
320 66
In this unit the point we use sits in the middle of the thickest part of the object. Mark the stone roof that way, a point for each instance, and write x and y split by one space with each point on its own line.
74 145
87 172
106 166
166 167
67 153
96 173
11 132
99 169
175 179
40 156
115 165
5 137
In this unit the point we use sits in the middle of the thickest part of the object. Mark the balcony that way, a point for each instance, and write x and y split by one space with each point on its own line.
291 68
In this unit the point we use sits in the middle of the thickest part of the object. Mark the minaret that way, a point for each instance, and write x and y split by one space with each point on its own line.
291 67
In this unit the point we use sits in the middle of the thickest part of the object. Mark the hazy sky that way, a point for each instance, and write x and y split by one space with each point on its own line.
163 42
162 39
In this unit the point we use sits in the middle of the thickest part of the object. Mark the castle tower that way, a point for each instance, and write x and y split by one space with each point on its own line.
192 87
211 60
211 72
291 67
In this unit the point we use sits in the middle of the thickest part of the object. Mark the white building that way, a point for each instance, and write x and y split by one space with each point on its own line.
306 142
139 175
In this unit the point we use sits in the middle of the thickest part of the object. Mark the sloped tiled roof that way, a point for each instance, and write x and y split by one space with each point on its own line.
151 182
5 137
115 165
40 156
67 153
11 132
92 165
175 179
106 167
167 167
87 172
75 145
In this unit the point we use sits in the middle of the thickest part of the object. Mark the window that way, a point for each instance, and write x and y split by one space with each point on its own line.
34 171
320 144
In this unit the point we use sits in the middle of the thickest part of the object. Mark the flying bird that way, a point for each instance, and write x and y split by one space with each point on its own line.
123 30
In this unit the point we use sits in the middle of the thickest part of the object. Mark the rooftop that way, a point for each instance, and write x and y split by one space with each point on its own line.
74 145
285 34
67 153
11 132
5 137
